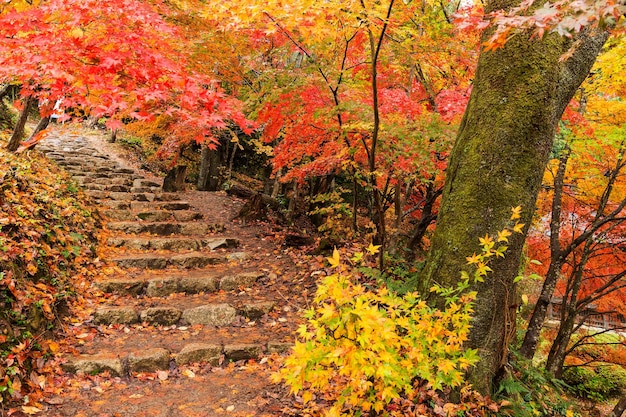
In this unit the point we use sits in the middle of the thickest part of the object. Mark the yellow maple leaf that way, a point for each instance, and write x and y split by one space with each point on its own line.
503 235
372 249
516 213
334 260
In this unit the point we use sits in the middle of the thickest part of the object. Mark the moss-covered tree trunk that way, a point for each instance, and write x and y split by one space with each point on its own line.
520 92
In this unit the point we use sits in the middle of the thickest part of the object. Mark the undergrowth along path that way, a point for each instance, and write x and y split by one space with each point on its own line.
189 303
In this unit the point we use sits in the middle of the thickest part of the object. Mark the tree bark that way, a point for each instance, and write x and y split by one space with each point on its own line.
18 132
504 141
208 177
41 126
174 181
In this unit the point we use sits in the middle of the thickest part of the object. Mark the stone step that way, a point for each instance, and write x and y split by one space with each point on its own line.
146 206
130 196
152 216
173 243
165 228
142 182
113 181
142 352
189 282
107 187
177 260
183 312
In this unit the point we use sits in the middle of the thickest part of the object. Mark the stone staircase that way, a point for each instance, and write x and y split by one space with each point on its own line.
182 287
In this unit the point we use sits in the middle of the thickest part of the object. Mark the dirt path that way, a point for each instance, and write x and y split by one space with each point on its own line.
189 307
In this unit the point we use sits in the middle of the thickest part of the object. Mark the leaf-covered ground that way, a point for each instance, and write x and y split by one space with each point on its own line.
48 238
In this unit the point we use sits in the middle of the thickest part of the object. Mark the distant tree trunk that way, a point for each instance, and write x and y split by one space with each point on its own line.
203 171
113 137
558 351
18 132
427 217
557 257
520 92
559 254
175 179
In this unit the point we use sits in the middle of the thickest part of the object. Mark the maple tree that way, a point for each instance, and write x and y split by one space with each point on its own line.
360 94
119 59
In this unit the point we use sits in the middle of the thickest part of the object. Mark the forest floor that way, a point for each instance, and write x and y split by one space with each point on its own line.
189 309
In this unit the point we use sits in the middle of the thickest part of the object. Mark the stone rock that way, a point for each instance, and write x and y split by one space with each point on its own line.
141 190
190 229
143 196
145 183
195 260
215 243
237 352
116 315
98 195
116 205
121 181
255 311
233 282
175 244
196 285
130 243
119 215
187 216
212 314
120 196
121 286
149 360
175 205
142 262
118 188
199 352
238 256
94 365
95 187
160 287
166 197
161 315
279 347
155 216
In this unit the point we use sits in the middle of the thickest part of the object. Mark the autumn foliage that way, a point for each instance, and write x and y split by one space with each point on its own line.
368 350
117 59
47 251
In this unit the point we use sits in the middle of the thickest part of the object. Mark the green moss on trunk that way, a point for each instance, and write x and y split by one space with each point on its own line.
502 147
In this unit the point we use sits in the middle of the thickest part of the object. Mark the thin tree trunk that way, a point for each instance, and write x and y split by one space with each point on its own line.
557 257
520 92
619 408
18 132
208 175
426 219
558 351
203 171
113 137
